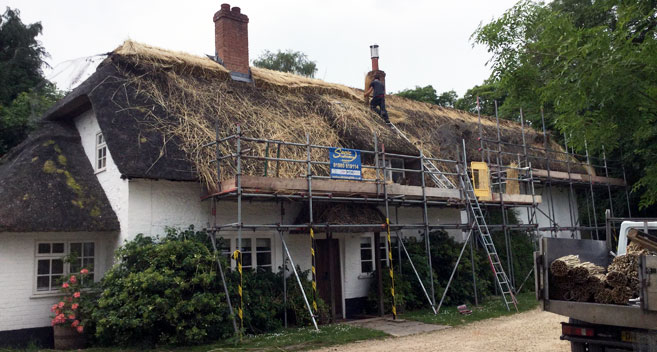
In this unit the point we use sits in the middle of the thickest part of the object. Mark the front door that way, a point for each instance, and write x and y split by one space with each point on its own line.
329 282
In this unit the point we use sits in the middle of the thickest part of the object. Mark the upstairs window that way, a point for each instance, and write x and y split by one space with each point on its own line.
101 152
397 175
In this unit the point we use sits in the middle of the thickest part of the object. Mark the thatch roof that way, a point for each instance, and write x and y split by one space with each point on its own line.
158 107
336 214
48 184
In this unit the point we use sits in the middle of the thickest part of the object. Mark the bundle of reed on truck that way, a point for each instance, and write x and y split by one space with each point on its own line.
575 280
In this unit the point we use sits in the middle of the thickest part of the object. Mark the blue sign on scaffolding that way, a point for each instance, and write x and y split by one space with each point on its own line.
345 164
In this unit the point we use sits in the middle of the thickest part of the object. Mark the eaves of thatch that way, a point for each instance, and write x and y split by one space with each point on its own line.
47 184
158 107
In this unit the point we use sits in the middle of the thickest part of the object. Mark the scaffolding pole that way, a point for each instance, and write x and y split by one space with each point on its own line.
427 241
595 216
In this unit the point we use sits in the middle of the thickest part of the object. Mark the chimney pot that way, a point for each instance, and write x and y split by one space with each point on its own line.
225 7
236 10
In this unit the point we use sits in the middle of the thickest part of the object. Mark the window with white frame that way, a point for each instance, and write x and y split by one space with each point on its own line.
256 252
101 152
50 265
367 264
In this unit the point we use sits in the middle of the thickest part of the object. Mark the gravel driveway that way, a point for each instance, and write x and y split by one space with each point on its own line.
529 331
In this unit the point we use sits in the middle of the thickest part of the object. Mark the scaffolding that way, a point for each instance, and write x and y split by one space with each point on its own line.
316 186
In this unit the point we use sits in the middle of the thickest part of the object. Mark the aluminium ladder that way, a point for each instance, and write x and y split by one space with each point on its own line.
480 222
436 175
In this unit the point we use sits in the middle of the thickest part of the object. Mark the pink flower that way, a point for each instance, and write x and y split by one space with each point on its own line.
65 285
84 271
75 323
73 279
80 328
74 306
53 308
71 316
61 304
76 295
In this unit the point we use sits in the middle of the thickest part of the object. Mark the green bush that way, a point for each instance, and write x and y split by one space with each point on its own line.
161 292
168 291
444 253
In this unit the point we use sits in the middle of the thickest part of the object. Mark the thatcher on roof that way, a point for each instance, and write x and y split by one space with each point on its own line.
48 184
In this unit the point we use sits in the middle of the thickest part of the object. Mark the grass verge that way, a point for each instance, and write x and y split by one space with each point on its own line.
292 339
491 308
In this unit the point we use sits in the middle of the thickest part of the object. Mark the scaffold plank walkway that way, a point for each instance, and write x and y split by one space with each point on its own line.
273 185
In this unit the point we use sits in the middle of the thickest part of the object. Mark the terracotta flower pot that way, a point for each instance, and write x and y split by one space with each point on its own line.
67 338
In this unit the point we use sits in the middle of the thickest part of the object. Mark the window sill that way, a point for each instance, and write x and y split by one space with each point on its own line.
46 295
99 171
365 276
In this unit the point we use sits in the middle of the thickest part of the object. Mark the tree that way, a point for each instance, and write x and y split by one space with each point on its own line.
429 95
488 92
24 93
21 56
447 99
287 61
592 67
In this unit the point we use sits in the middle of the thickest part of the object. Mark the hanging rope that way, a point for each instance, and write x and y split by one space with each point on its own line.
392 275
237 256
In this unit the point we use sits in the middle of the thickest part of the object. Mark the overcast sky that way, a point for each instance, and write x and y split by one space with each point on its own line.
421 42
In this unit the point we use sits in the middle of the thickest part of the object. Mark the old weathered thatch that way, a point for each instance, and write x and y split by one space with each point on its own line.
159 107
343 214
47 184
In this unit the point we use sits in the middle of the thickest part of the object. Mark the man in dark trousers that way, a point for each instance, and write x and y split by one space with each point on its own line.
379 98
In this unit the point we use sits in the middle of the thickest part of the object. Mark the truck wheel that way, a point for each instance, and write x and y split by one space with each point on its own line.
577 347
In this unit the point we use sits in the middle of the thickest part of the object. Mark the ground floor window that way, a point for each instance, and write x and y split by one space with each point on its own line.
256 251
51 266
367 264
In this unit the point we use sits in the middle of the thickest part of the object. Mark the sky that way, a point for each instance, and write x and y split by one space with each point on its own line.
421 42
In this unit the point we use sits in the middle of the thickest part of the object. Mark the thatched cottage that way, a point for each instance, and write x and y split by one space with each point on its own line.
127 152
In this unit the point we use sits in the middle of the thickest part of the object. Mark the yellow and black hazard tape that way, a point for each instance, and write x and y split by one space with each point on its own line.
237 256
312 253
392 275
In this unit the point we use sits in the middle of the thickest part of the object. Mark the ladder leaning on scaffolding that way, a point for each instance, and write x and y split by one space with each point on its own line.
479 222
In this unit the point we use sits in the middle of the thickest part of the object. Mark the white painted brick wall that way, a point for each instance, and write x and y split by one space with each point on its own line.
20 307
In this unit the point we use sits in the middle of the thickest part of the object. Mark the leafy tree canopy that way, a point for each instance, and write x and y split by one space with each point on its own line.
287 61
24 93
592 67
21 56
429 95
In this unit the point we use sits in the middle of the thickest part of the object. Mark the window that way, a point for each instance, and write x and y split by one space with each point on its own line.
246 253
395 175
256 252
50 265
263 253
367 253
101 152
366 260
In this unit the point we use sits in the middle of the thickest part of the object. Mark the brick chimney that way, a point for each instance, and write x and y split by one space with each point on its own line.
231 39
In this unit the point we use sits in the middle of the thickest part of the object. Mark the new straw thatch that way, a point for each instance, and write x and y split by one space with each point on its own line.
159 107
47 184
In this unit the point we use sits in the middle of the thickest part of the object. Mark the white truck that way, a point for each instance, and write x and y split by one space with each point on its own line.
595 326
